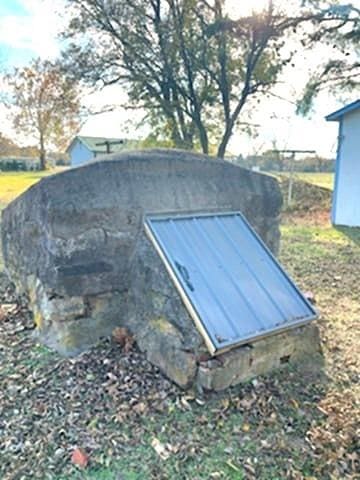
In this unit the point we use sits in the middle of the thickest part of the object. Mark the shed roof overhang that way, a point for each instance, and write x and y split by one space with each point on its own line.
338 114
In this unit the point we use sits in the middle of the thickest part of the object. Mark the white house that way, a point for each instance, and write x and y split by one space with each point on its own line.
83 149
346 196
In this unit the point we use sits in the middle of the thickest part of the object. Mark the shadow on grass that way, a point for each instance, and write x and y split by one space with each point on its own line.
353 233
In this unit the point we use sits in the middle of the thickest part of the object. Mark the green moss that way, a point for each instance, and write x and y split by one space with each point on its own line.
38 320
157 299
163 326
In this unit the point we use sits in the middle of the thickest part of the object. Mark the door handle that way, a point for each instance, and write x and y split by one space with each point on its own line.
184 275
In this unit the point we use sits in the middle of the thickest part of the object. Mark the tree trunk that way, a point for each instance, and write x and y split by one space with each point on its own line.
42 154
230 123
224 141
204 141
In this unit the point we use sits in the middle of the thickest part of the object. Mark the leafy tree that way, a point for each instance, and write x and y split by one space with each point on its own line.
45 104
185 62
8 148
340 30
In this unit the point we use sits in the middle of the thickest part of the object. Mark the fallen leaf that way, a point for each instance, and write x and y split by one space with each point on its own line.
139 407
246 427
185 403
121 335
79 457
162 450
129 343
249 468
232 466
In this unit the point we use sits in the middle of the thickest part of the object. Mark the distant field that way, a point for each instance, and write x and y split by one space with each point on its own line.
13 184
325 180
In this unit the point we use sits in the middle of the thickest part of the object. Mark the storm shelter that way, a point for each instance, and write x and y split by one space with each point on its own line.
233 287
94 248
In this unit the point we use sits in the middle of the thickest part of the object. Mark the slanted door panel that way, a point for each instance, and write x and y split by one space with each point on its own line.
236 287
270 279
221 283
192 278
235 256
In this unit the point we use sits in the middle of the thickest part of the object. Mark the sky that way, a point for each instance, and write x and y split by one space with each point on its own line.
29 28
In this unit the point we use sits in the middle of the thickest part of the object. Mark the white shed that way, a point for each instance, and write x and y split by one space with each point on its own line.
346 196
83 149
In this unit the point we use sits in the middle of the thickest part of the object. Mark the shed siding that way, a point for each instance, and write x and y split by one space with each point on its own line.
79 154
347 191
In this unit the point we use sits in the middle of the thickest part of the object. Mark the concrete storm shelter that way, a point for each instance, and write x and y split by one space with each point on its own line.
159 242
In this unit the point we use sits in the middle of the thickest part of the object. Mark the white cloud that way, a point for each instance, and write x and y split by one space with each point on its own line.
35 32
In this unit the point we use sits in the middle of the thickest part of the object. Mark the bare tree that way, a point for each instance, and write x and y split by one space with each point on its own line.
185 62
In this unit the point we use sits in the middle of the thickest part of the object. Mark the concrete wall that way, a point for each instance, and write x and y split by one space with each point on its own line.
79 154
346 199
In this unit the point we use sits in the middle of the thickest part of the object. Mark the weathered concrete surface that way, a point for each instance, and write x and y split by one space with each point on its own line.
158 318
68 228
243 363
75 244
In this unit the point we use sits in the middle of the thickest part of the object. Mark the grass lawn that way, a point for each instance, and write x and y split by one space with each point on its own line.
320 179
325 180
298 423
13 184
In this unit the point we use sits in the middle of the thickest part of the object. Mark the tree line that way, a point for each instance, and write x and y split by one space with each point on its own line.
269 161
193 69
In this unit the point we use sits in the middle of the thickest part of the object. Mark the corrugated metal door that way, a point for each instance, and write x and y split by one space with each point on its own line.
233 287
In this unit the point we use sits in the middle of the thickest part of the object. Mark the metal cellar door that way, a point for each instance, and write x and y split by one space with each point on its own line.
232 286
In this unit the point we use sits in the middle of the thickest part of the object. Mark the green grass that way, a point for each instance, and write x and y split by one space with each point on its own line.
321 179
350 232
325 180
12 184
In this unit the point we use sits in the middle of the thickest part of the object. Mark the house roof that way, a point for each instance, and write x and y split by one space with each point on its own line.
336 116
91 143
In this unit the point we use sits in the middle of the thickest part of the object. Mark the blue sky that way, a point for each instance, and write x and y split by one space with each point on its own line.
13 7
9 54
29 28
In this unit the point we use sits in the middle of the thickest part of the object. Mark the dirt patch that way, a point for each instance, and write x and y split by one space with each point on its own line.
306 195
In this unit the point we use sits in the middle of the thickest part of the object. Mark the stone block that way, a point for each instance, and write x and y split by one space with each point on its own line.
248 361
